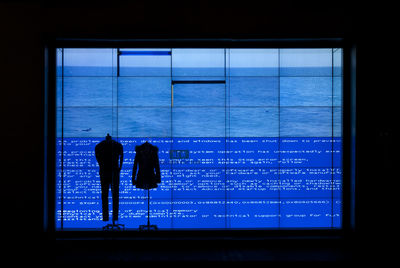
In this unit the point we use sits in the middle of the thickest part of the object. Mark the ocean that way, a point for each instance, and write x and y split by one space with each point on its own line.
249 102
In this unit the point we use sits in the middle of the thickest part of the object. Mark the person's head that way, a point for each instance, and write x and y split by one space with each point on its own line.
108 137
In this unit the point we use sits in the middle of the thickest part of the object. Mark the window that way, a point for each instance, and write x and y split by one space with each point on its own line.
248 138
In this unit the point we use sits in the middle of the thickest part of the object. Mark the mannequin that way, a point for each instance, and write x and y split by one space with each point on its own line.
109 155
148 175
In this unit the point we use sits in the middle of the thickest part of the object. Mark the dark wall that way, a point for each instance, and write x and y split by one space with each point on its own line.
26 25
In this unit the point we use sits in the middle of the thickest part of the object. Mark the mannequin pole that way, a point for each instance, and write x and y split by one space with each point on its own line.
148 207
148 227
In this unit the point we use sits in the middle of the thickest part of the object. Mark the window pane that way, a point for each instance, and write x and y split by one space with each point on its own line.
259 152
144 91
199 183
144 122
199 94
337 122
337 62
88 91
253 62
253 91
145 62
88 62
306 62
87 122
305 152
306 182
337 91
198 62
248 213
198 213
297 213
306 122
198 122
253 182
306 91
253 122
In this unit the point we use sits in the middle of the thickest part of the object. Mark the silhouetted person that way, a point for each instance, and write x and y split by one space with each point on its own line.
149 167
109 155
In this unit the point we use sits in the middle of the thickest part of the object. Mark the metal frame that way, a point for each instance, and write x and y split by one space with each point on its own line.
348 124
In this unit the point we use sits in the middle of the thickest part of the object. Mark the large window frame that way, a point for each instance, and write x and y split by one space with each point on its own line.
348 123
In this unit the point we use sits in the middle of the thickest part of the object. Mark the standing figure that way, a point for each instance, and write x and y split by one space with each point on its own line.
109 155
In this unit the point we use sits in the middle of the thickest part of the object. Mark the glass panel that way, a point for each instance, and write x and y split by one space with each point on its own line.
253 91
88 91
337 62
306 122
144 91
253 122
144 122
254 62
198 122
337 91
198 62
253 213
87 122
145 62
88 62
306 62
297 213
199 183
198 213
199 95
306 182
306 152
198 152
337 122
252 152
306 91
253 182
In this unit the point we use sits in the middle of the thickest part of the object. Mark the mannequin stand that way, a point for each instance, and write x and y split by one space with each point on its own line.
148 227
114 227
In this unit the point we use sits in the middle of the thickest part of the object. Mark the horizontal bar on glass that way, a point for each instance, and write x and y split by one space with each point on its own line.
144 53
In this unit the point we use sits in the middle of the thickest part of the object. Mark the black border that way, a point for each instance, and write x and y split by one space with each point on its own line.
348 123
